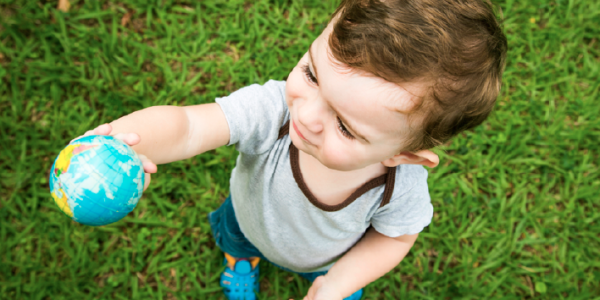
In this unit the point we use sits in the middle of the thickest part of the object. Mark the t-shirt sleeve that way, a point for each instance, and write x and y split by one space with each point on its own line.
410 211
255 114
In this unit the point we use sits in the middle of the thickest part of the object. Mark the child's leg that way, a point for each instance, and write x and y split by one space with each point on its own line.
228 236
240 278
241 256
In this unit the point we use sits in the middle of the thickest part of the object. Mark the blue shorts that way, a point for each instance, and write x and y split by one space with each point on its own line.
230 239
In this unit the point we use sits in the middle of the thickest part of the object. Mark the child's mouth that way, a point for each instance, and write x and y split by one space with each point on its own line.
298 131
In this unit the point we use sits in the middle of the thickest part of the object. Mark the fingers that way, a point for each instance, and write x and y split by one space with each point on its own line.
103 129
149 166
146 181
128 138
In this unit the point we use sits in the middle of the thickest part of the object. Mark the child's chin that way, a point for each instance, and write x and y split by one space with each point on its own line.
299 144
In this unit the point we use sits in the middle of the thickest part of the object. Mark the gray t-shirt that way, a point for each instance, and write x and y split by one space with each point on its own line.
273 211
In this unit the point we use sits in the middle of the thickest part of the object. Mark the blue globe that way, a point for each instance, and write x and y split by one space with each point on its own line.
97 180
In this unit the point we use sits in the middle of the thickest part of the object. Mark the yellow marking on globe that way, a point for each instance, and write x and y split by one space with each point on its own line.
62 203
64 158
62 165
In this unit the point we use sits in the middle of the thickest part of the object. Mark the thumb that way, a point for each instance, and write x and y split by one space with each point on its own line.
146 181
149 167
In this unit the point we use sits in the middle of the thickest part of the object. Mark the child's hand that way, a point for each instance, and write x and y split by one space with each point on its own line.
129 139
321 291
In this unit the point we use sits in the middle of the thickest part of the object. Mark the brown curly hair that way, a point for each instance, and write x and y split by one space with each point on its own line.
455 45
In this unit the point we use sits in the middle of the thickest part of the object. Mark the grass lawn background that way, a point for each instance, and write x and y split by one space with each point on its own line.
516 200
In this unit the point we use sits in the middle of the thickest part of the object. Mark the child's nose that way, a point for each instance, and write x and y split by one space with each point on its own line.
310 116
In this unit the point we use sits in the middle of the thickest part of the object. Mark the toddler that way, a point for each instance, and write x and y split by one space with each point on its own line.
329 182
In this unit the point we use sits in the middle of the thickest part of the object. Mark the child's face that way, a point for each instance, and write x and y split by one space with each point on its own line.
346 120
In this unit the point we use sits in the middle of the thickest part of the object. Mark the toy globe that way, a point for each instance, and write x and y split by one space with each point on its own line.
97 180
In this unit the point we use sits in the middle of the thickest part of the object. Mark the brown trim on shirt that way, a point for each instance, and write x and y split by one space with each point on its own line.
387 179
284 130
389 186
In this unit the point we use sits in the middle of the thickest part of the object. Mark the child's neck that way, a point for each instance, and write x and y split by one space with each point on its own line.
332 187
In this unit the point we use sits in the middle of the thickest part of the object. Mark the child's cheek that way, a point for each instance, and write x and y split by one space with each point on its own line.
293 87
337 158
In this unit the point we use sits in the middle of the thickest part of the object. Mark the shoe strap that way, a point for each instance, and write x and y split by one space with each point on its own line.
231 261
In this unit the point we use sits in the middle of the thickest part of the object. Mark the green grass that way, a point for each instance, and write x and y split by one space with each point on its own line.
516 200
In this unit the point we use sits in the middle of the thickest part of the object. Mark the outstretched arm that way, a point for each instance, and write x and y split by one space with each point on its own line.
372 257
162 134
171 133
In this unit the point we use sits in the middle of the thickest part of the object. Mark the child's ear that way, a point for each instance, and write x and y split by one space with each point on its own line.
423 157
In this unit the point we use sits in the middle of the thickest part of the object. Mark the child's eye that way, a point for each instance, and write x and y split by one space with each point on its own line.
309 74
343 129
